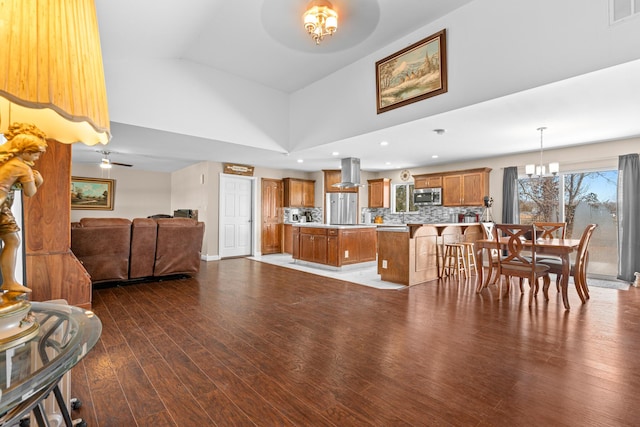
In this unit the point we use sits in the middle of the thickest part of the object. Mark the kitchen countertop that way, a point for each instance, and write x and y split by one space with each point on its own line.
444 224
412 227
397 228
434 224
341 226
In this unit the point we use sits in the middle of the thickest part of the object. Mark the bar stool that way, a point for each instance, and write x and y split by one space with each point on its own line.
440 255
453 264
469 257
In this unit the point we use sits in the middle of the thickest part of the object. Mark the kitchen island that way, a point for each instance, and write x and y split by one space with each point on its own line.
334 245
412 254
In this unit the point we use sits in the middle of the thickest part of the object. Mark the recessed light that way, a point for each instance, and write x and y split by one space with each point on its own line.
384 143
435 156
300 161
335 153
387 163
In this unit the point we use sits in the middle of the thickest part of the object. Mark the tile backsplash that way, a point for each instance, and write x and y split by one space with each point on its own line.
424 215
316 214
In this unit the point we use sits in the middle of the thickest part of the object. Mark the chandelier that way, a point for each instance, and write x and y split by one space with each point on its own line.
541 170
320 20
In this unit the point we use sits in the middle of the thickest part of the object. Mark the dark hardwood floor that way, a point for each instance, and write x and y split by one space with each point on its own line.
247 343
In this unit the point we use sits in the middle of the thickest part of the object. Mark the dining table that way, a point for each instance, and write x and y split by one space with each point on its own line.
558 247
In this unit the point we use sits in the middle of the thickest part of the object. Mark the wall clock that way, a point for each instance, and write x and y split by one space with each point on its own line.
405 175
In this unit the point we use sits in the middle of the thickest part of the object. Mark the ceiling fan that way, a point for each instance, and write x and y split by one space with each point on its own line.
106 162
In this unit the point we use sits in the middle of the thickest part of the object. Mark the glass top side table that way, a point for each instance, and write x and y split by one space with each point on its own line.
30 370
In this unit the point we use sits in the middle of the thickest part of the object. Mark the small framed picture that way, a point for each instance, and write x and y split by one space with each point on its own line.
92 193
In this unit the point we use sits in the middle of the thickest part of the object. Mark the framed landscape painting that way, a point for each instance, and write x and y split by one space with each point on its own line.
92 193
415 73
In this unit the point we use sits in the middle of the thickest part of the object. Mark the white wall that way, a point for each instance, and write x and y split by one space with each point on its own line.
191 99
494 48
198 187
189 190
138 194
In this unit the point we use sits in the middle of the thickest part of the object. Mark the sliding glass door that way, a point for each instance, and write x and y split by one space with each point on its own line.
579 199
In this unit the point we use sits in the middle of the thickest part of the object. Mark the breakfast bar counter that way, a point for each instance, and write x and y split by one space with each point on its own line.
334 245
412 254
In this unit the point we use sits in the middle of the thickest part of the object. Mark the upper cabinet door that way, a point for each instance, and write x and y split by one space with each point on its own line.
474 189
379 193
466 188
452 190
299 193
427 181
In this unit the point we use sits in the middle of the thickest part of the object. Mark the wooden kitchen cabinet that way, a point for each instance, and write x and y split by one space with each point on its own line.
313 245
271 231
299 193
287 245
334 246
465 188
332 177
379 193
295 241
427 181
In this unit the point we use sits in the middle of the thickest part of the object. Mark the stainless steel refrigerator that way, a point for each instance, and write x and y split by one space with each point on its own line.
342 208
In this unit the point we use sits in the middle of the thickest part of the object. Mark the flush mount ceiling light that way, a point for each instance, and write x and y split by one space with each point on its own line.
540 170
320 19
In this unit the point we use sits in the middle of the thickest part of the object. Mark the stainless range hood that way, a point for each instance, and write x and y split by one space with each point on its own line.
350 173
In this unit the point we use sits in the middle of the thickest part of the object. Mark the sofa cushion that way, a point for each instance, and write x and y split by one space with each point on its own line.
143 247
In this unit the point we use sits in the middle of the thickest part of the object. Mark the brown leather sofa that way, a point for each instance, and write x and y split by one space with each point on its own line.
118 249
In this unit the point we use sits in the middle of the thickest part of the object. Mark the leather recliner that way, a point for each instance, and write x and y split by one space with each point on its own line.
178 246
117 249
103 246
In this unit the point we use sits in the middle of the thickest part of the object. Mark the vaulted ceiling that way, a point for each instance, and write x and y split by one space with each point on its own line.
265 44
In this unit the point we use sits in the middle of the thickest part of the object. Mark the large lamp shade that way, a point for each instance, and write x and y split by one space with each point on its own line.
51 71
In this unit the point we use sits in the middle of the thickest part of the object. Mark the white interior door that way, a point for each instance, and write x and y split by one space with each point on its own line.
236 222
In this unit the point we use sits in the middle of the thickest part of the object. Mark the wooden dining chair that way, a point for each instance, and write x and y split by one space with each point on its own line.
520 260
494 254
551 230
578 267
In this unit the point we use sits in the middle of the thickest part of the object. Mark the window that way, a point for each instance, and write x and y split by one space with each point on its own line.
622 9
402 200
586 198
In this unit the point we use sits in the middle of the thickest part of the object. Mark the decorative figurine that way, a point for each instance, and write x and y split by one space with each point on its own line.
486 214
25 144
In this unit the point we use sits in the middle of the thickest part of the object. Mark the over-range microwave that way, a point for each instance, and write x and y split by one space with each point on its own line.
427 196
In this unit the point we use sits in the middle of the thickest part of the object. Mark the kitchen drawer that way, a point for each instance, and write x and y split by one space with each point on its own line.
313 230
332 231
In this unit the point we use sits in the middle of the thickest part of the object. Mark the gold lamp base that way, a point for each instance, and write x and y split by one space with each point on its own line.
17 324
